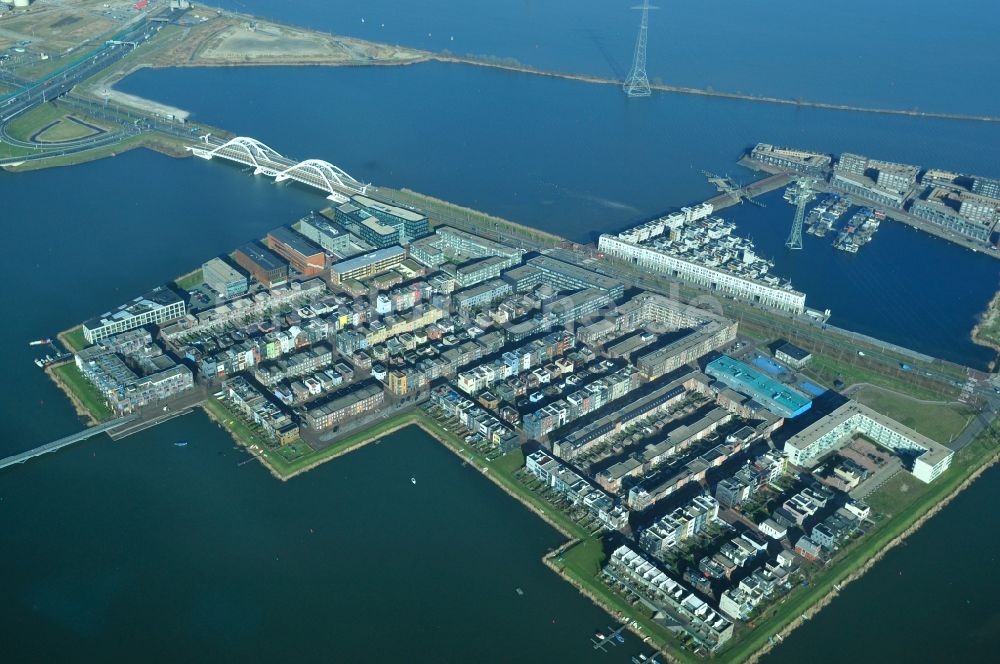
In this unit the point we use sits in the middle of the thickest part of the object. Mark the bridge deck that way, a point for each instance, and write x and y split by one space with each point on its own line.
65 441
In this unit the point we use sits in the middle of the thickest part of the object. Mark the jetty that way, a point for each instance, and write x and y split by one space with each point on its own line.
65 441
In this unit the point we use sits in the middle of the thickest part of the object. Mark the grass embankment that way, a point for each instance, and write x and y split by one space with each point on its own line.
67 130
190 280
940 422
446 213
73 339
155 142
827 369
290 460
987 330
24 126
84 395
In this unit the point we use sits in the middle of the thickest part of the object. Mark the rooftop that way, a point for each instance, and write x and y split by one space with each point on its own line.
758 386
793 351
822 427
549 264
367 259
157 298
396 211
291 238
263 257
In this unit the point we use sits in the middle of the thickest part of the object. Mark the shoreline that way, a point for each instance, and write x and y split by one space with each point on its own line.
81 410
433 429
859 572
992 311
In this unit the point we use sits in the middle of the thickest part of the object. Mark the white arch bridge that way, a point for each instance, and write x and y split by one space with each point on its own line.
337 184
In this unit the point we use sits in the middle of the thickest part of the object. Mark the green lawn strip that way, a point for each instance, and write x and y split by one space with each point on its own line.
65 130
802 598
25 125
155 142
827 369
243 433
285 468
88 395
897 494
583 563
12 151
502 471
73 339
190 280
937 421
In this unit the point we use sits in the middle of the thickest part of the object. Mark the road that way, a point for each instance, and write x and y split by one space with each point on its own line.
60 83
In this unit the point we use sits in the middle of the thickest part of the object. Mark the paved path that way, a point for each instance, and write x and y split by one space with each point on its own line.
65 441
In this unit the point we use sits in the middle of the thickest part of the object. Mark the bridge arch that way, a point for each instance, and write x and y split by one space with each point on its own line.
333 176
254 149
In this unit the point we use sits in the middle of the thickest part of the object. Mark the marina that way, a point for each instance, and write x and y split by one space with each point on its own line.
824 217
60 355
859 231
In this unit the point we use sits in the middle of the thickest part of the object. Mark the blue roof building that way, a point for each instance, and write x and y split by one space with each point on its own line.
773 395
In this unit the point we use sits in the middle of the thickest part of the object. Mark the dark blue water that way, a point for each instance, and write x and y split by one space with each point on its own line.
924 292
915 54
579 159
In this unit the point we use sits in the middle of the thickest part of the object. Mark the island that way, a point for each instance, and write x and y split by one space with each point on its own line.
720 460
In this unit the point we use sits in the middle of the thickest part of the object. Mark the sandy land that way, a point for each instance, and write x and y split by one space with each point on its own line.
232 41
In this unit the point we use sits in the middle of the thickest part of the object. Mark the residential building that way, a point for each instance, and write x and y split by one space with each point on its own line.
367 265
682 262
787 159
986 187
644 579
792 355
367 226
332 237
409 224
576 489
455 241
679 525
343 406
928 458
158 306
124 390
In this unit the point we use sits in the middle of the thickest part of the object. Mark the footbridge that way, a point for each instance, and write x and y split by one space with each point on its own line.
67 440
337 184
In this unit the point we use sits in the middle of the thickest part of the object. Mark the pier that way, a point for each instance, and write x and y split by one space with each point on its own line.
731 195
65 441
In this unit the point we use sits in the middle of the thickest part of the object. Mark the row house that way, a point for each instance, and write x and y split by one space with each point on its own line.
679 525
344 406
473 417
576 489
255 406
298 364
